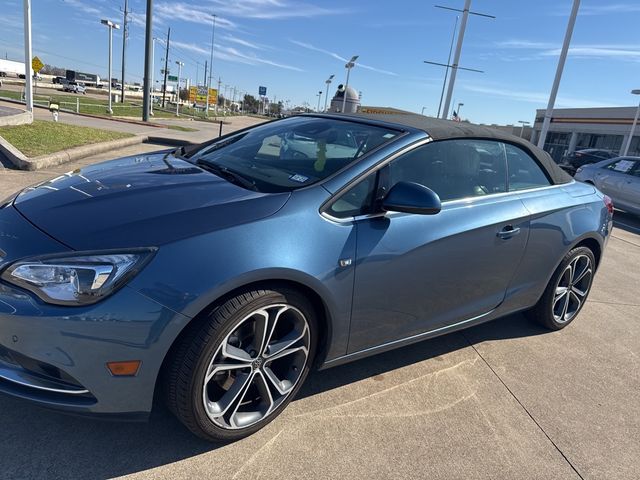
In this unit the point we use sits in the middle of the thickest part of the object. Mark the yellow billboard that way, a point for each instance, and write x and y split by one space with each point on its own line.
198 95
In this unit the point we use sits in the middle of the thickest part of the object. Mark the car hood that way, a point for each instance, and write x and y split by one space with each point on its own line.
145 200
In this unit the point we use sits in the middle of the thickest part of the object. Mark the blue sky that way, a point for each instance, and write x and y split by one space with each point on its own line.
292 46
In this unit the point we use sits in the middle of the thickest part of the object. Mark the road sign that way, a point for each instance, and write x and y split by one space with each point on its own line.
262 91
172 78
198 95
36 64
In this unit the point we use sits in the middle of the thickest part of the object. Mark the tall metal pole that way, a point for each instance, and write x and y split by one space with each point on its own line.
27 56
166 68
556 81
326 95
153 61
633 127
456 59
446 70
149 43
110 58
125 33
319 98
180 64
208 81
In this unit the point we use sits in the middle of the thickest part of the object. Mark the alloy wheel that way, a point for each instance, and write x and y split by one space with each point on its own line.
256 366
572 289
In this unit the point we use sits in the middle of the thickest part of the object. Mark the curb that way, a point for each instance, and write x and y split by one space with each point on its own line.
25 163
20 118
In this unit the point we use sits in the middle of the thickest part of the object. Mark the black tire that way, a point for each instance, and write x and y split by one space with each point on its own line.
546 310
183 378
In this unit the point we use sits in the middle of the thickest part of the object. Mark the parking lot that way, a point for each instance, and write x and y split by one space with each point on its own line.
503 400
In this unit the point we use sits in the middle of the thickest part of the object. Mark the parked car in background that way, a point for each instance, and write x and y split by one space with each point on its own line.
575 160
619 178
59 80
74 87
218 275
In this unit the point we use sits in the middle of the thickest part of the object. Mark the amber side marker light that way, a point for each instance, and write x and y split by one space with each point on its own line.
124 369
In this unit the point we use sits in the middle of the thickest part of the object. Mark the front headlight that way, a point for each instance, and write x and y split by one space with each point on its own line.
78 278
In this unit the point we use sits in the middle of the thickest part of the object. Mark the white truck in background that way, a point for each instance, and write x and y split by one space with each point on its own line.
11 68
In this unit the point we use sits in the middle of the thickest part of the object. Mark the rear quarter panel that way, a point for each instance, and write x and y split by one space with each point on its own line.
562 216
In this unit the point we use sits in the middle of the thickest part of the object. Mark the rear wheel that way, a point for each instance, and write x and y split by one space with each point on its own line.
240 368
567 291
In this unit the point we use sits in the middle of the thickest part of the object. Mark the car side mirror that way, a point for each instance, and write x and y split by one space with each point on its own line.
411 197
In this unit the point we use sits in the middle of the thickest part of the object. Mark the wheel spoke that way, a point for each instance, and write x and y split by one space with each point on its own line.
231 397
273 323
577 299
564 308
265 392
235 353
223 367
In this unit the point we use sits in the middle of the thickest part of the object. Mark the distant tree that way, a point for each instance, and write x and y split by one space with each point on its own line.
184 94
251 104
52 70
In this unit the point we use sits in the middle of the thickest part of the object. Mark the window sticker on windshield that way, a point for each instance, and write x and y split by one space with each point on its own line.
298 178
624 166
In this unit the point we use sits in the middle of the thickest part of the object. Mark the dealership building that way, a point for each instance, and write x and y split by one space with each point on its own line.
572 129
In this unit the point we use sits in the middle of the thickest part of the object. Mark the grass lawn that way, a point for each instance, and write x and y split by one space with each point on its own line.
41 138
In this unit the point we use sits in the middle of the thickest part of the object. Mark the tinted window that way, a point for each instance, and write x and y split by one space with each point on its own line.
295 152
524 171
454 169
624 165
358 200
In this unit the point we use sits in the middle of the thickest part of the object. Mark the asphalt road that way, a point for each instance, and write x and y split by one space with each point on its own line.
504 400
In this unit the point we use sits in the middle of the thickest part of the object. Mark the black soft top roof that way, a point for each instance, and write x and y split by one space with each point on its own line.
447 129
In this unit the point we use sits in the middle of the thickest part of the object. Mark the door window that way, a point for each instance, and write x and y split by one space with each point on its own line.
454 169
623 165
524 171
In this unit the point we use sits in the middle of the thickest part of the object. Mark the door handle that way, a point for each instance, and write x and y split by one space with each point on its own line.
508 232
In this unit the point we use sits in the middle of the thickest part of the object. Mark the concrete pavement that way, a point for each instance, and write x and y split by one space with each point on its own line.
502 400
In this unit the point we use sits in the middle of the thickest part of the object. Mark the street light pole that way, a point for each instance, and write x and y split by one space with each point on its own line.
208 82
460 105
326 95
153 59
523 123
180 65
109 24
350 64
147 100
319 98
556 81
633 126
28 94
456 59
422 112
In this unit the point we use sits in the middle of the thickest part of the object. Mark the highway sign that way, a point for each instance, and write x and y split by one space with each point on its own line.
198 95
172 78
262 91
36 64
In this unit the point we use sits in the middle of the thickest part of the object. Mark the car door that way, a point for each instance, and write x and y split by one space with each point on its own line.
417 273
613 179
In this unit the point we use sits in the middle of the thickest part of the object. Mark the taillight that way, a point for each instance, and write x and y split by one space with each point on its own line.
608 203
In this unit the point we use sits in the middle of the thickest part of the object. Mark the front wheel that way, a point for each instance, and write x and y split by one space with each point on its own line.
238 370
567 291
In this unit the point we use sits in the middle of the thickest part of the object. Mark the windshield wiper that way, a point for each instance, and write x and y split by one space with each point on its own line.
230 175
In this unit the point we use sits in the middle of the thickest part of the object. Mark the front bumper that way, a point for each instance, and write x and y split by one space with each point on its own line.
56 356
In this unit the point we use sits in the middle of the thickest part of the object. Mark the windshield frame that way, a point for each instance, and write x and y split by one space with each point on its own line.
194 153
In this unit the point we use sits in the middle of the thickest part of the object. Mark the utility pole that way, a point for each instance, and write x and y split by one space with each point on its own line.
446 70
153 59
27 56
556 81
149 43
125 34
180 65
166 68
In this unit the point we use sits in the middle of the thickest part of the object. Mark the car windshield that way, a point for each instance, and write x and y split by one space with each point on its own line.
292 153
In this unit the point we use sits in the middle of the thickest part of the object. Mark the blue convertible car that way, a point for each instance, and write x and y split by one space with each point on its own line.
218 275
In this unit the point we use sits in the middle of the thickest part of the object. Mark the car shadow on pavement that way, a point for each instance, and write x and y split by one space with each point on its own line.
37 443
512 326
